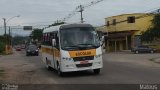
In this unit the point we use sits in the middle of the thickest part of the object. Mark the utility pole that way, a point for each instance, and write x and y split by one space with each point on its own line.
4 26
9 38
5 35
81 11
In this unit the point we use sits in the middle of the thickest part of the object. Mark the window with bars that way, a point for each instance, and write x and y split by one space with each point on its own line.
131 19
114 22
108 23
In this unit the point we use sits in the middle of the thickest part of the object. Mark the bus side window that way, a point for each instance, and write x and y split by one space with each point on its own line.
51 37
57 40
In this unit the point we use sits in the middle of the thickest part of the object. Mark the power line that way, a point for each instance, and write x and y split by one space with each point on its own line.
80 9
37 22
92 3
153 9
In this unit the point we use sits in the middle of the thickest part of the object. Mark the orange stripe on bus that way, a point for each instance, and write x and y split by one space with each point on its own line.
50 51
81 53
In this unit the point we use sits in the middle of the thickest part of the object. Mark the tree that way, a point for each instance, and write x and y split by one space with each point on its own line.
19 39
37 34
153 32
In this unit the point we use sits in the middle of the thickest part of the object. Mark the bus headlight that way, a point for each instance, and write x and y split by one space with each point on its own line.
98 62
99 55
66 58
69 65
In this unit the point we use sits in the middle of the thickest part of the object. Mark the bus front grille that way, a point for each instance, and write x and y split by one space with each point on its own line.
83 58
84 65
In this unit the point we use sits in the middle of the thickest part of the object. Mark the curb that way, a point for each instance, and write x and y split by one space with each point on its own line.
156 60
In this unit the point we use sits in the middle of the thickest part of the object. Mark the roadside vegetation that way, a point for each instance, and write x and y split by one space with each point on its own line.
151 37
2 44
16 40
37 34
153 33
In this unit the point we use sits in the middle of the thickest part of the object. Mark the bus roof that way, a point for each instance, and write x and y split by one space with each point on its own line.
51 29
64 26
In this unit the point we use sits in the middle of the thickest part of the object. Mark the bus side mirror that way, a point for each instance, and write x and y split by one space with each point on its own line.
54 42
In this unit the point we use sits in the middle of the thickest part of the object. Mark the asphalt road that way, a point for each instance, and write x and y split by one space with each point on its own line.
119 68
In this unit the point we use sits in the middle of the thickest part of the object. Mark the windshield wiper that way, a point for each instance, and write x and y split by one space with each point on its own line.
70 46
85 44
88 45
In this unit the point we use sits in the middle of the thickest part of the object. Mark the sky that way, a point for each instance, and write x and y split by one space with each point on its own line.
39 13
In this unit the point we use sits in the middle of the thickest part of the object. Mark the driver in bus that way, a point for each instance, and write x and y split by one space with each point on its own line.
87 39
68 41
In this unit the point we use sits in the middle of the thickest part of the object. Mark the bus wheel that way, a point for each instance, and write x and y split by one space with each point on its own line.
96 71
59 71
27 54
49 68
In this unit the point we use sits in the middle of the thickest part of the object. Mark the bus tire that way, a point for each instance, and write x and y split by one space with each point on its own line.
49 68
37 54
96 71
27 54
59 72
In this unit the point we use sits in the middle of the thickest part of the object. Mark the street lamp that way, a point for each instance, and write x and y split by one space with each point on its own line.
5 26
12 18
5 22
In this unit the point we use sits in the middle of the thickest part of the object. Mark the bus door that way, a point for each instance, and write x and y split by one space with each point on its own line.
55 49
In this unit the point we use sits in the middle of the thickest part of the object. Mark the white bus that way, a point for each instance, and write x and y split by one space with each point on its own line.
72 47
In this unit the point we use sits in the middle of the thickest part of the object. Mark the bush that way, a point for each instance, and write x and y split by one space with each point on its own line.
2 47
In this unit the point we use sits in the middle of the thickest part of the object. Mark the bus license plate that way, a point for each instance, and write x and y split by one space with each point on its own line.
84 62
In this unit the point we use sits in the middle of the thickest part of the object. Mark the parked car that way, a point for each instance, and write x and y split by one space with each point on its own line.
32 50
143 49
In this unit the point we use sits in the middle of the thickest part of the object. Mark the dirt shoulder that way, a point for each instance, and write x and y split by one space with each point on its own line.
10 66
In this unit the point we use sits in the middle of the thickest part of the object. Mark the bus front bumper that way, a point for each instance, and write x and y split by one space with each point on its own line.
82 67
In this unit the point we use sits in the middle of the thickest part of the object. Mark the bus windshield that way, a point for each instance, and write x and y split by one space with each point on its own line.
79 38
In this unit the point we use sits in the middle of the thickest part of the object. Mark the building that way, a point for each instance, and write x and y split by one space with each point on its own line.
123 31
